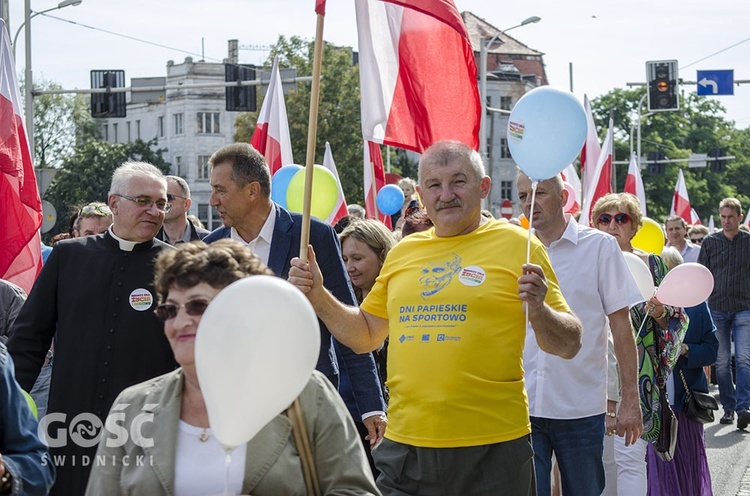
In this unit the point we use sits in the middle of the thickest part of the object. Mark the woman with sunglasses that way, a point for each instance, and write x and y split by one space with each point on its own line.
167 419
659 331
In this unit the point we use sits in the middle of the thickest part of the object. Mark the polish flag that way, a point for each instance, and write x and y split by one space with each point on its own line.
695 217
591 148
374 180
320 7
680 200
570 176
21 211
634 183
601 184
417 74
339 210
271 135
711 228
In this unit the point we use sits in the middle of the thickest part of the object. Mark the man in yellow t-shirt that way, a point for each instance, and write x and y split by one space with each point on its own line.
452 301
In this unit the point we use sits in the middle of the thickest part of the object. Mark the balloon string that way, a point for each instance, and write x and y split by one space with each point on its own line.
534 184
227 464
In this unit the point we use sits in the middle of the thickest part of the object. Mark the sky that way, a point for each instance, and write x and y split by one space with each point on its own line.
606 42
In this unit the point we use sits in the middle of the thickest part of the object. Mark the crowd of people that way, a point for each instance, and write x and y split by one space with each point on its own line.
459 355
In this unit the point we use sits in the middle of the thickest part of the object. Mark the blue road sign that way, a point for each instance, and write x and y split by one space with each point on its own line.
716 82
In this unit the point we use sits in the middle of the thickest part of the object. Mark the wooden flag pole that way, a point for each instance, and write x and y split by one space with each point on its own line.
312 132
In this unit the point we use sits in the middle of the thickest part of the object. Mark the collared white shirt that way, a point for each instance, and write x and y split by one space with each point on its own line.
261 245
690 252
596 281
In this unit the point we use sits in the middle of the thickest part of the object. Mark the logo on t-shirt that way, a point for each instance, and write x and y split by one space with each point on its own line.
438 275
472 276
141 299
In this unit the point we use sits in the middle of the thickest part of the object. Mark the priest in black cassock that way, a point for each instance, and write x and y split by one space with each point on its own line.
95 296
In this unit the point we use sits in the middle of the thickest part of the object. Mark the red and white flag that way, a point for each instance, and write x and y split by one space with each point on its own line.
680 200
591 148
271 135
634 183
374 180
21 210
601 184
570 176
418 78
339 211
696 218
320 7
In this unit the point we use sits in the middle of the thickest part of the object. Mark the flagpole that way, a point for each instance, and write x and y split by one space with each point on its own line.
312 131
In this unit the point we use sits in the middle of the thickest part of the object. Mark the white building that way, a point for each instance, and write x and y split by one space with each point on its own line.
190 123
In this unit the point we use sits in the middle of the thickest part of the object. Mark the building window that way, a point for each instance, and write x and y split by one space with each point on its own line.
138 129
178 166
178 123
203 214
114 133
506 102
215 218
203 174
504 148
127 125
506 190
105 132
208 123
160 127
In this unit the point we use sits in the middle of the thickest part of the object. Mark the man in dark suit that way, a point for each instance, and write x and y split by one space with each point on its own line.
241 192
177 228
95 295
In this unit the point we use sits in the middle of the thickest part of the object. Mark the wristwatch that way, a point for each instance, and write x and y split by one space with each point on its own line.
6 482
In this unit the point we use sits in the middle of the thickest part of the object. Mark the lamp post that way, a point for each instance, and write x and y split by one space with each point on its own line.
28 76
484 45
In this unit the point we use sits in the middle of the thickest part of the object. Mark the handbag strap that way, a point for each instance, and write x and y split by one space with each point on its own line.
688 392
302 441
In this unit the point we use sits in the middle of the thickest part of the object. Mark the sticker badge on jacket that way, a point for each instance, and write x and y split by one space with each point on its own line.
141 299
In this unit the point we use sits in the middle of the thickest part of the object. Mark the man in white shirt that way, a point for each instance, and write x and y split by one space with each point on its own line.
677 238
568 398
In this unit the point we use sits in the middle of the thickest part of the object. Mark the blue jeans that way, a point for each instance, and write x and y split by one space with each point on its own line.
578 445
736 325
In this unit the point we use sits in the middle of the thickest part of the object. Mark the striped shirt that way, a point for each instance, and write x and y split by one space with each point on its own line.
729 262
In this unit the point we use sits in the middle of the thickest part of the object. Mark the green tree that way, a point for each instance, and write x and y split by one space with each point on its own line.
85 175
697 127
339 120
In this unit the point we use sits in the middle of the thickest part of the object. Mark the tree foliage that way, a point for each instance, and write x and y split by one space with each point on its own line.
85 175
697 127
339 120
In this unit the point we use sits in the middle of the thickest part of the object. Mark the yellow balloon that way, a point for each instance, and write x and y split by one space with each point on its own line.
650 237
31 403
325 192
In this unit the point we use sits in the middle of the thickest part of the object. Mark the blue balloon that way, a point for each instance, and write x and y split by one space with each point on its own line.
280 182
546 131
390 199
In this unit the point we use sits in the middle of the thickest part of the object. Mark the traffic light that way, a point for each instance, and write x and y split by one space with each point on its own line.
104 105
655 168
240 98
717 164
663 90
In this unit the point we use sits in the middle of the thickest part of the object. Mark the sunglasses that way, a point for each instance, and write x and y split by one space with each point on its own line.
168 311
697 240
620 219
96 210
171 197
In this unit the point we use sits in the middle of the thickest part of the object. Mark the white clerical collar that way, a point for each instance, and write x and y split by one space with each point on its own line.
125 245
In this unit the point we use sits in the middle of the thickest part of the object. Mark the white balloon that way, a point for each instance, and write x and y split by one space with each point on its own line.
256 347
641 274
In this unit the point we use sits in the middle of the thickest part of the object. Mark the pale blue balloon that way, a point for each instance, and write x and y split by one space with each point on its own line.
390 199
546 131
280 182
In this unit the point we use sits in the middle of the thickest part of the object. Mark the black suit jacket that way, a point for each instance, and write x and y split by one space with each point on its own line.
285 246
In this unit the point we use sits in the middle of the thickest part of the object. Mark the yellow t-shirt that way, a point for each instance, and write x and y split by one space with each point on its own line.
455 369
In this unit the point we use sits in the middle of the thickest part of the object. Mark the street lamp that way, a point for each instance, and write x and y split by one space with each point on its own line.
28 77
484 45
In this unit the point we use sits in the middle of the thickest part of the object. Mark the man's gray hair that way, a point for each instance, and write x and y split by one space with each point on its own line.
447 151
127 171
181 183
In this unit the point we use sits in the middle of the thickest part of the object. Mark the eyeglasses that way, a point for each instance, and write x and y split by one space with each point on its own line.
145 202
620 219
96 210
697 240
171 197
168 311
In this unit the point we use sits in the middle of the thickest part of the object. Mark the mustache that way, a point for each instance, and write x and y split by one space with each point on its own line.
453 203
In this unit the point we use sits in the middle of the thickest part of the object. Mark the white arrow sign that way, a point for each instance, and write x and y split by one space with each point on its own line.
706 82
